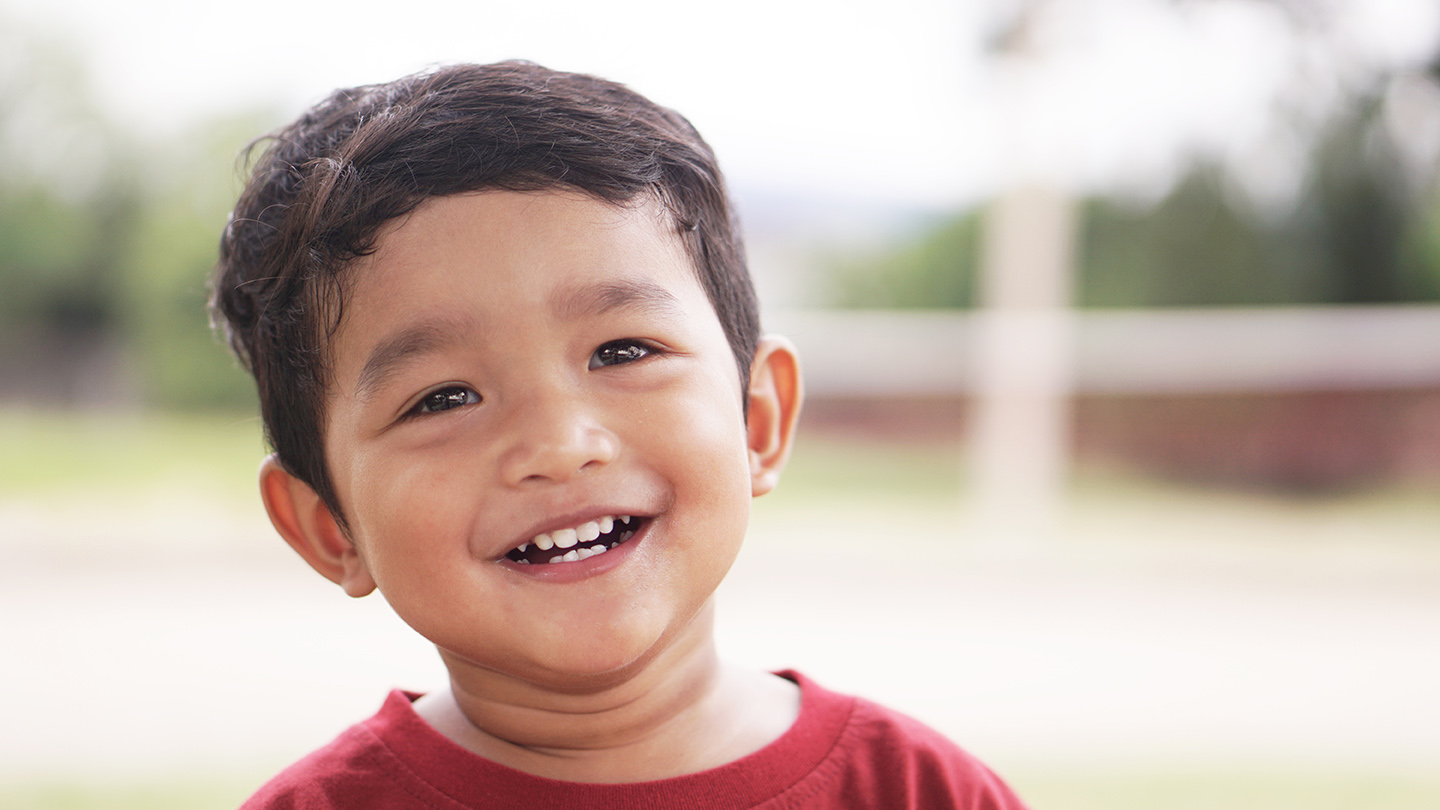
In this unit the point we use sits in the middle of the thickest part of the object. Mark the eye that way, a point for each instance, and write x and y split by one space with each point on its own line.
445 399
619 352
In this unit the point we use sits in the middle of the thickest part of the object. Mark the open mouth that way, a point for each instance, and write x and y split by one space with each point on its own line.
579 543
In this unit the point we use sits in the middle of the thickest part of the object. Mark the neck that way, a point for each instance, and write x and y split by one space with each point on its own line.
679 712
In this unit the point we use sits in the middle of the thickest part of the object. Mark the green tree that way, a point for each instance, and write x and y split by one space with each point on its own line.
939 268
68 198
106 245
190 190
1192 249
1363 230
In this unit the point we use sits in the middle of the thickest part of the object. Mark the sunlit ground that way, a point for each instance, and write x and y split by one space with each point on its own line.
1161 647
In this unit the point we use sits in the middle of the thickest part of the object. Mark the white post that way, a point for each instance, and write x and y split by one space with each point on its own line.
1020 431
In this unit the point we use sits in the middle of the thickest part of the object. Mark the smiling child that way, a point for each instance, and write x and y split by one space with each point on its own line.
509 361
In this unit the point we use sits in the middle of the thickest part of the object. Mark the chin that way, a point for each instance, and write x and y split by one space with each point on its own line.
603 660
591 666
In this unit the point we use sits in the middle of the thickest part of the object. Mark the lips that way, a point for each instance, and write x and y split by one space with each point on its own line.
577 543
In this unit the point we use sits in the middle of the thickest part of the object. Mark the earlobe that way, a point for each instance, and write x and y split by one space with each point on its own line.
301 517
776 393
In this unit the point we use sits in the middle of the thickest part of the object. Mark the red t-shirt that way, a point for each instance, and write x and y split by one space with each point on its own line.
842 752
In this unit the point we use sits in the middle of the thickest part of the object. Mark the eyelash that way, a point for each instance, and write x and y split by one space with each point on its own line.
444 399
622 352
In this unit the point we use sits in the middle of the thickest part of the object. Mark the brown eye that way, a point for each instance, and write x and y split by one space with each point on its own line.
619 352
446 399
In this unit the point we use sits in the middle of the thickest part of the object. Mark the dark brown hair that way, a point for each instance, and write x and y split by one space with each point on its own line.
325 184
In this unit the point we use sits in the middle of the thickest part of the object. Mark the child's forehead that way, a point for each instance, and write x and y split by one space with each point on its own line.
559 250
504 223
498 210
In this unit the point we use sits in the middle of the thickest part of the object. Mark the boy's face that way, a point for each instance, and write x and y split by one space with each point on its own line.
510 365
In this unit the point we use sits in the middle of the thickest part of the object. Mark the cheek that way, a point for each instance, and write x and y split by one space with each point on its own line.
714 462
408 506
395 478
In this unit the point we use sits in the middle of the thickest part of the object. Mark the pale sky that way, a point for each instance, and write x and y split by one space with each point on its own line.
892 102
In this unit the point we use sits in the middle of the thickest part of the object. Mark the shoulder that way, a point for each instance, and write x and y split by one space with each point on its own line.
883 758
896 755
355 770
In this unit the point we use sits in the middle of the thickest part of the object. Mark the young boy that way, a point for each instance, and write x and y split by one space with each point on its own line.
509 360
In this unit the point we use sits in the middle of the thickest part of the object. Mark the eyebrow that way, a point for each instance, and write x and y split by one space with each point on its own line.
393 353
598 299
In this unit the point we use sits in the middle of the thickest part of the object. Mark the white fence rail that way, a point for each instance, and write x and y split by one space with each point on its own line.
889 353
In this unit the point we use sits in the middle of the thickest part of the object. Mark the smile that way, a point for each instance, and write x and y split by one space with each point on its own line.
580 543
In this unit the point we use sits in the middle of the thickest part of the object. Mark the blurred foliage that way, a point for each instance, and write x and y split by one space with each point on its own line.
1192 249
1365 228
939 267
106 241
174 246
1357 235
67 197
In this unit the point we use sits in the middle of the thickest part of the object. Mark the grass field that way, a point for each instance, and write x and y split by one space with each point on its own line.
1372 556
50 455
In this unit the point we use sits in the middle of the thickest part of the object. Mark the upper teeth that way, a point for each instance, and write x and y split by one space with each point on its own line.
584 533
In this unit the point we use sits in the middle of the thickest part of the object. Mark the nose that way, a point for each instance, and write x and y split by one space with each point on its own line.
554 437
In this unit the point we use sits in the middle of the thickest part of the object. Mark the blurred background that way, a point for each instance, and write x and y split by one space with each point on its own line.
1121 320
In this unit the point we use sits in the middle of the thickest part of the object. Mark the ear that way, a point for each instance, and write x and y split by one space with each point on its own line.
775 395
303 519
